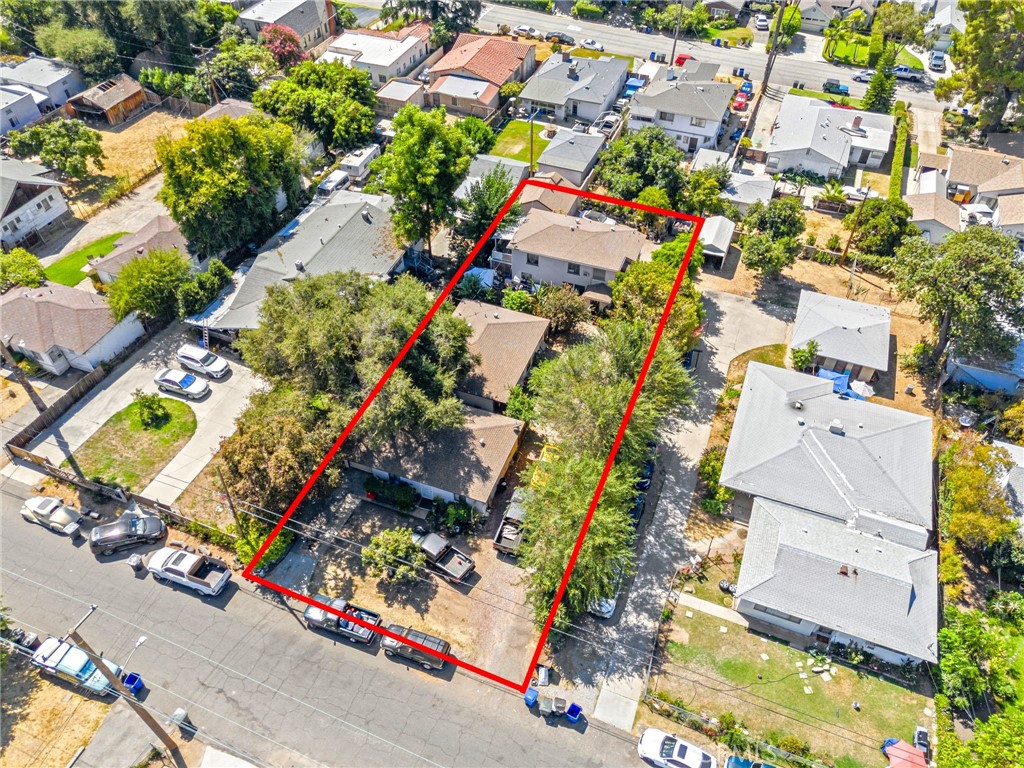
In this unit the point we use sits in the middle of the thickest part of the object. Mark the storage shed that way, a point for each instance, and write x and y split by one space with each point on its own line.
115 100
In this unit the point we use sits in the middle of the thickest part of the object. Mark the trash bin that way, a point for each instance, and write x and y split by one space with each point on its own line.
135 561
572 714
653 55
133 682
530 697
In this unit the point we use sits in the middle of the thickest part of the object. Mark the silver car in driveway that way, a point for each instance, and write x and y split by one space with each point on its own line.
195 358
180 383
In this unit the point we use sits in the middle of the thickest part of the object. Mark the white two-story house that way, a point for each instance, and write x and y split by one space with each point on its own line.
691 113
31 202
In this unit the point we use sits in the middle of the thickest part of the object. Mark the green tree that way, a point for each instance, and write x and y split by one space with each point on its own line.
975 658
201 288
901 24
883 226
221 179
647 158
453 16
19 267
393 556
331 100
511 90
519 404
805 356
481 205
769 256
999 740
210 17
703 193
970 287
782 217
67 145
989 61
176 84
881 91
151 409
655 197
973 509
19 20
174 24
518 301
149 285
1011 423
674 251
478 133
88 49
565 308
422 169
240 67
641 292
842 30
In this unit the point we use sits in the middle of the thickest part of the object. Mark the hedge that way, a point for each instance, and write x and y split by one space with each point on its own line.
534 5
583 9
899 153
876 46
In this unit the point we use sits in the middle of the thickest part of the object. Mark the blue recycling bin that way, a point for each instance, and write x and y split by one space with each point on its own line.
653 55
530 697
572 714
133 682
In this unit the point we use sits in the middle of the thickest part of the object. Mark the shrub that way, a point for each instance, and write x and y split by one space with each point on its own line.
794 745
1011 423
460 517
212 534
709 469
202 288
565 308
727 23
152 411
402 496
899 150
876 46
251 537
834 243
511 90
393 556
19 267
115 190
518 301
533 5
804 357
584 9
519 405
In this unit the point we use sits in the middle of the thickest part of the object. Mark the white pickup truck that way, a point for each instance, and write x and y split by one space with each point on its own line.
903 72
206 575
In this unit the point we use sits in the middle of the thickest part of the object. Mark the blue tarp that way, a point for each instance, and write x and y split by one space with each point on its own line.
840 383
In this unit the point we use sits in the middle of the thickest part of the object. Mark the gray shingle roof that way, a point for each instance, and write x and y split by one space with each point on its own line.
704 100
875 472
484 164
14 172
594 79
888 596
572 151
716 234
851 331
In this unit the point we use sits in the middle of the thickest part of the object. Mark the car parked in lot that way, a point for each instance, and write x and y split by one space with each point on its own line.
426 660
195 358
762 23
667 751
590 44
560 37
132 529
864 75
740 102
525 30
53 514
318 618
177 382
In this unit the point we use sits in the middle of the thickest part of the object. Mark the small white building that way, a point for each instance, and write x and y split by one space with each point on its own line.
382 55
947 20
357 163
17 108
691 113
577 88
31 202
312 20
716 235
399 93
60 327
54 80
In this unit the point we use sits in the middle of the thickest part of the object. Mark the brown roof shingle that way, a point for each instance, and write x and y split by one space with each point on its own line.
578 240
488 58
977 166
934 207
159 233
548 199
54 315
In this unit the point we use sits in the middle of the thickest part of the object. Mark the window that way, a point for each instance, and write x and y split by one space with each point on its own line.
668 117
45 204
600 275
527 276
778 614
574 269
532 260
697 122
382 78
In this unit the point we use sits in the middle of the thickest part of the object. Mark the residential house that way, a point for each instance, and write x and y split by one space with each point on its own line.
947 20
539 198
1013 481
557 249
115 100
852 336
812 135
745 189
815 15
506 344
233 108
350 231
1009 216
60 327
464 464
312 20
17 108
31 201
716 235
982 176
839 544
579 88
161 233
720 9
934 214
54 80
399 93
987 372
572 155
468 78
382 55
691 112
482 165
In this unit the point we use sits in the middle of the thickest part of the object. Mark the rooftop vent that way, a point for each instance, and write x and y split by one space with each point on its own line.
844 570
365 213
836 427
140 249
572 70
857 120
800 420
798 405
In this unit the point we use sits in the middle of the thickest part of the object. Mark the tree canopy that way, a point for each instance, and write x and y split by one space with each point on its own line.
973 509
881 92
970 287
883 226
284 45
149 285
239 68
481 205
451 16
88 49
221 179
19 267
782 217
641 292
67 145
647 158
901 24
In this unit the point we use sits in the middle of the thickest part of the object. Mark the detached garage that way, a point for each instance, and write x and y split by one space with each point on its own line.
113 101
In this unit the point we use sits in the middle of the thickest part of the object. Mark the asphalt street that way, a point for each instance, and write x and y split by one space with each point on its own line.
251 675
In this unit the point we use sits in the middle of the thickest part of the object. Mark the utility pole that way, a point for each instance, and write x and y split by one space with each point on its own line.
125 694
242 531
675 35
853 229
19 374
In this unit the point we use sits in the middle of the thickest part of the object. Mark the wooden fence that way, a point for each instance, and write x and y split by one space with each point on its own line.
56 409
185 107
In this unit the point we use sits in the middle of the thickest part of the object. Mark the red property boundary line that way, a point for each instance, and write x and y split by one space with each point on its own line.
516 686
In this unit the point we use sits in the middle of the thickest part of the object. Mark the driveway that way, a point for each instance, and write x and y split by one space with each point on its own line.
215 415
735 324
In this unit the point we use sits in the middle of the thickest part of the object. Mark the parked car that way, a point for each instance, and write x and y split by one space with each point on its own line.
762 23
53 514
426 660
740 102
606 124
864 75
335 180
178 382
318 618
619 105
667 751
599 217
67 661
132 529
682 58
590 44
525 30
509 535
195 358
937 61
742 762
903 72
560 37
451 563
604 608
206 575
646 474
834 86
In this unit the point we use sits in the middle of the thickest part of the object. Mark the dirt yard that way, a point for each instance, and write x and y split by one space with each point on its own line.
12 398
44 722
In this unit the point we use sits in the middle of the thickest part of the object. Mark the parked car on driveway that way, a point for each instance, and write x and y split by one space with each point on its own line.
53 514
132 529
195 358
667 751
937 61
426 660
525 30
560 37
178 382
761 23
450 563
318 618
604 608
590 44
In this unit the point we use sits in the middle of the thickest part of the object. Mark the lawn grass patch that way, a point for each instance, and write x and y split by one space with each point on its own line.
514 141
853 101
124 453
583 53
68 270
856 52
733 35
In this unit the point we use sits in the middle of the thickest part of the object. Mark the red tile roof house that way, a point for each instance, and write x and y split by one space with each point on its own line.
466 80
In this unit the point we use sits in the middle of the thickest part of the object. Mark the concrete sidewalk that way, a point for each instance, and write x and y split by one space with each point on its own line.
712 609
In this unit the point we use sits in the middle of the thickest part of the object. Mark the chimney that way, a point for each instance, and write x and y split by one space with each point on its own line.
365 213
572 71
671 74
836 427
857 120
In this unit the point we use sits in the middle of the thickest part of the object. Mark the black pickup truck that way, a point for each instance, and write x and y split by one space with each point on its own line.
450 563
321 619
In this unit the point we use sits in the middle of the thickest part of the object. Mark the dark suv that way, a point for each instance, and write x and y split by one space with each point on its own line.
426 660
560 37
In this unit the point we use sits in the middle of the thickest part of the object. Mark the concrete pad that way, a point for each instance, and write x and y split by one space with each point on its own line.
295 571
825 677
764 657
808 689
616 708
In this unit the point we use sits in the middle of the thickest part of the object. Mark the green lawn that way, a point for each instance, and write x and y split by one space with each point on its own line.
855 53
123 452
583 53
68 271
700 648
852 100
733 35
514 141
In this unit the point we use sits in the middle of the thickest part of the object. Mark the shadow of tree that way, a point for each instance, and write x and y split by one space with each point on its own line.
20 681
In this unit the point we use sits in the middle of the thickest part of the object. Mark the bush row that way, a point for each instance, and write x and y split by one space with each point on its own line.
534 5
876 46
900 151
583 9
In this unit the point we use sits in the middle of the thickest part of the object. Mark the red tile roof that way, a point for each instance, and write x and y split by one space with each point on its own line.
488 58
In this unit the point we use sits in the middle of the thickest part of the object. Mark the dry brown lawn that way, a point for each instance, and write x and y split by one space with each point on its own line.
12 397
